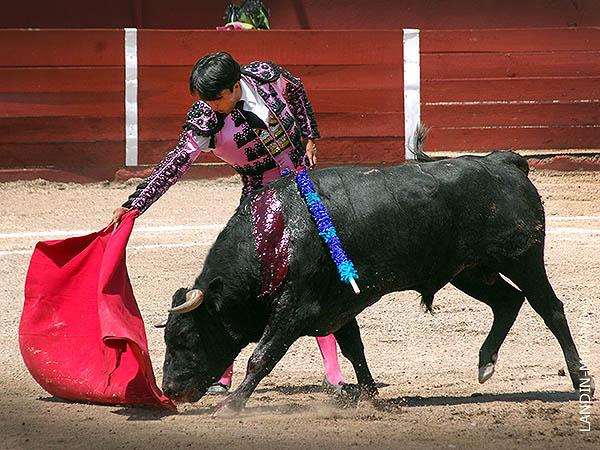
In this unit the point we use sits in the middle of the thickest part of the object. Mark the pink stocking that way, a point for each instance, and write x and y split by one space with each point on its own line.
328 347
226 377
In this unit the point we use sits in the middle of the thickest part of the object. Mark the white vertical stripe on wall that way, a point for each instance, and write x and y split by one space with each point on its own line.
131 94
412 88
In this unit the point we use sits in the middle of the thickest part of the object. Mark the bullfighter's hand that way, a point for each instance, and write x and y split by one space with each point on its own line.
117 214
311 151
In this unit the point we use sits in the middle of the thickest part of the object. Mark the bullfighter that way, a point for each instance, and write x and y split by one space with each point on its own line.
258 119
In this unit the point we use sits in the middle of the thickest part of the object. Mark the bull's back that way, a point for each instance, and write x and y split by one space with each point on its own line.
495 207
408 222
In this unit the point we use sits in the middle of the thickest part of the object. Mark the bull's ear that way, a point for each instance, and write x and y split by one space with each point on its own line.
215 287
214 290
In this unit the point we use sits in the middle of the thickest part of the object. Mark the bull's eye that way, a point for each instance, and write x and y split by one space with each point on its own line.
179 340
186 338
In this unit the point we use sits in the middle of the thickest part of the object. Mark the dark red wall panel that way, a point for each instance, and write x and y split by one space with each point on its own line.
81 155
354 81
318 47
62 99
505 138
60 129
511 89
61 104
513 39
332 151
62 79
305 14
59 48
511 65
526 89
547 114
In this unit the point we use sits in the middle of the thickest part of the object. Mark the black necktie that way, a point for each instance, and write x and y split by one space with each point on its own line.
253 120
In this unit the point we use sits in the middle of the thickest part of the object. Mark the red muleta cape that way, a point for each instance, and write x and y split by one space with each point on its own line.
81 335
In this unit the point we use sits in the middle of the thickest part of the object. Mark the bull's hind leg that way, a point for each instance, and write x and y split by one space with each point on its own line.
348 338
529 274
505 302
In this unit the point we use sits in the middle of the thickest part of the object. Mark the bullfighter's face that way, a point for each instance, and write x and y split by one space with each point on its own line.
186 368
227 100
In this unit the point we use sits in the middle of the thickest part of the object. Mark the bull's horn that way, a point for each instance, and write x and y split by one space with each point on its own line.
192 300
162 324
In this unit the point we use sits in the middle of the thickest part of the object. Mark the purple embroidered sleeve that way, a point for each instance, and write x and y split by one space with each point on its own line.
165 174
295 95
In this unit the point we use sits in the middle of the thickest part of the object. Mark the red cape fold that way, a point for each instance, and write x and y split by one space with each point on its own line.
81 335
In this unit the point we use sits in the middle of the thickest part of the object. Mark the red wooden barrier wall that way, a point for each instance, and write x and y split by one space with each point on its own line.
511 89
62 92
61 104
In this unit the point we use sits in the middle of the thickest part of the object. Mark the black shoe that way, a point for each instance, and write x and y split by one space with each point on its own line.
340 390
328 386
218 389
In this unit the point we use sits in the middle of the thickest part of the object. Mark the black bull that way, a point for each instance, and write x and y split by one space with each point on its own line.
416 227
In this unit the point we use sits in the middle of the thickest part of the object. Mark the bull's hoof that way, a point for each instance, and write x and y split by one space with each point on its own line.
485 372
366 401
226 408
587 385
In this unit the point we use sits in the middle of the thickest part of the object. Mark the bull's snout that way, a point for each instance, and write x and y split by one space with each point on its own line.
169 392
177 395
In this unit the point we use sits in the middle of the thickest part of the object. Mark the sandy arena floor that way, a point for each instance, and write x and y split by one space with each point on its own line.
426 365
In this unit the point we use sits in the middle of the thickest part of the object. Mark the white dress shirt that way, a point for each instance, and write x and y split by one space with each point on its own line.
252 102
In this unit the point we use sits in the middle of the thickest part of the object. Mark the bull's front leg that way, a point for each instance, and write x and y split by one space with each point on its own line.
350 342
279 335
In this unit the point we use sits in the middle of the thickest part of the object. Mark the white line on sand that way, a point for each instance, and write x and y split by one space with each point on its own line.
175 228
66 233
561 231
129 247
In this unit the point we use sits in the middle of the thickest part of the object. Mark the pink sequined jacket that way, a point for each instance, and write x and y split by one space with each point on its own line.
258 155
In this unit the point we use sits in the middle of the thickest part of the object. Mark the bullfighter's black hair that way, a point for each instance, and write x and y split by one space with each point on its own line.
214 73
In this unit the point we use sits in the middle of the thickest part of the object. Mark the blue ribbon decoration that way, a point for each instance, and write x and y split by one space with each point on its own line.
326 229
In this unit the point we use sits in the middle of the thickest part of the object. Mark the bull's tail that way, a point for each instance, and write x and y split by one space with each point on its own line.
517 160
427 302
418 141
